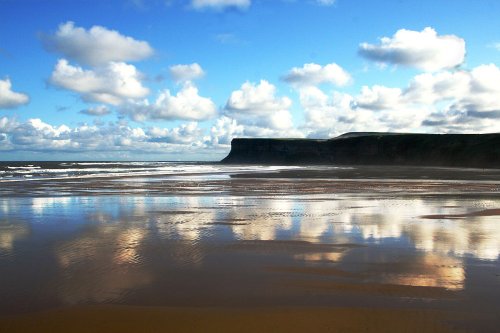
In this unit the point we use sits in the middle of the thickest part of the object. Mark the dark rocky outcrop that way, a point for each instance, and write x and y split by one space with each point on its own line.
454 150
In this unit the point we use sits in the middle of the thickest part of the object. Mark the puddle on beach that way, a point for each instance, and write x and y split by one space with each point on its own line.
337 249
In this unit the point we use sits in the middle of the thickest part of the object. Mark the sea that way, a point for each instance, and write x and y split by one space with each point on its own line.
61 170
65 170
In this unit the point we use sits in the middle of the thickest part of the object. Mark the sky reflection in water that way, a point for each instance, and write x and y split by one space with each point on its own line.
169 250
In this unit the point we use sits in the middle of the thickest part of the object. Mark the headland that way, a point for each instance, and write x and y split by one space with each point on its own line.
371 148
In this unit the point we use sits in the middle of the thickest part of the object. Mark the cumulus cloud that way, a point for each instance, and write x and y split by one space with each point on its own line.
112 83
337 114
10 99
314 74
187 104
424 50
118 139
184 73
96 46
380 98
7 124
336 111
184 134
224 130
220 4
484 94
442 102
430 88
471 103
257 105
375 109
475 92
459 101
100 110
331 115
36 135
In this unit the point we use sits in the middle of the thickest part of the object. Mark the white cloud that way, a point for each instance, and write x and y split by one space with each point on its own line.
96 46
186 105
485 79
452 121
444 102
37 136
314 74
220 4
257 105
184 134
259 131
112 83
100 110
380 98
10 99
184 73
328 116
224 130
424 49
475 92
459 101
322 110
376 109
255 111
8 124
431 88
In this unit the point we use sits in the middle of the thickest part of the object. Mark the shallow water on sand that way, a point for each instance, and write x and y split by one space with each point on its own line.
251 241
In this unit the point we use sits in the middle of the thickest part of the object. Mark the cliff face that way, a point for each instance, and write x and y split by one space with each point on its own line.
459 150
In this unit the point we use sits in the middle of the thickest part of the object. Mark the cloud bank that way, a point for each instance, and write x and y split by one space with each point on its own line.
37 136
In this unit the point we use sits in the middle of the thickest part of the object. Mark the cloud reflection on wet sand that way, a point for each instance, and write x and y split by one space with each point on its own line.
166 250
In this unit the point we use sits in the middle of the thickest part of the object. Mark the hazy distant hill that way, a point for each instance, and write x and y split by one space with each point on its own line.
371 148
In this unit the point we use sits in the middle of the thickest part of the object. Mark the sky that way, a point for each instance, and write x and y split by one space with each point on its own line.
176 80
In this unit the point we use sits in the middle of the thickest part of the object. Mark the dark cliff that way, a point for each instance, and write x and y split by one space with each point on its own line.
455 150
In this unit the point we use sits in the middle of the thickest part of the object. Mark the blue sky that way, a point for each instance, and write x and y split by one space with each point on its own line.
176 80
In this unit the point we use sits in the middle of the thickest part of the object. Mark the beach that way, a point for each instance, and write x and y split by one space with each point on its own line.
207 247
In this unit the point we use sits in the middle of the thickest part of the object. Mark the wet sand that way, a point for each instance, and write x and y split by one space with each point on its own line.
251 253
142 319
312 180
486 212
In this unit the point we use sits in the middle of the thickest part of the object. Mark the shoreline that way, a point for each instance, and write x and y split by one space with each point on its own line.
238 180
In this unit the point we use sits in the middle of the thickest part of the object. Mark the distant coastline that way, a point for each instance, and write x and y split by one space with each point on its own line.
372 148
